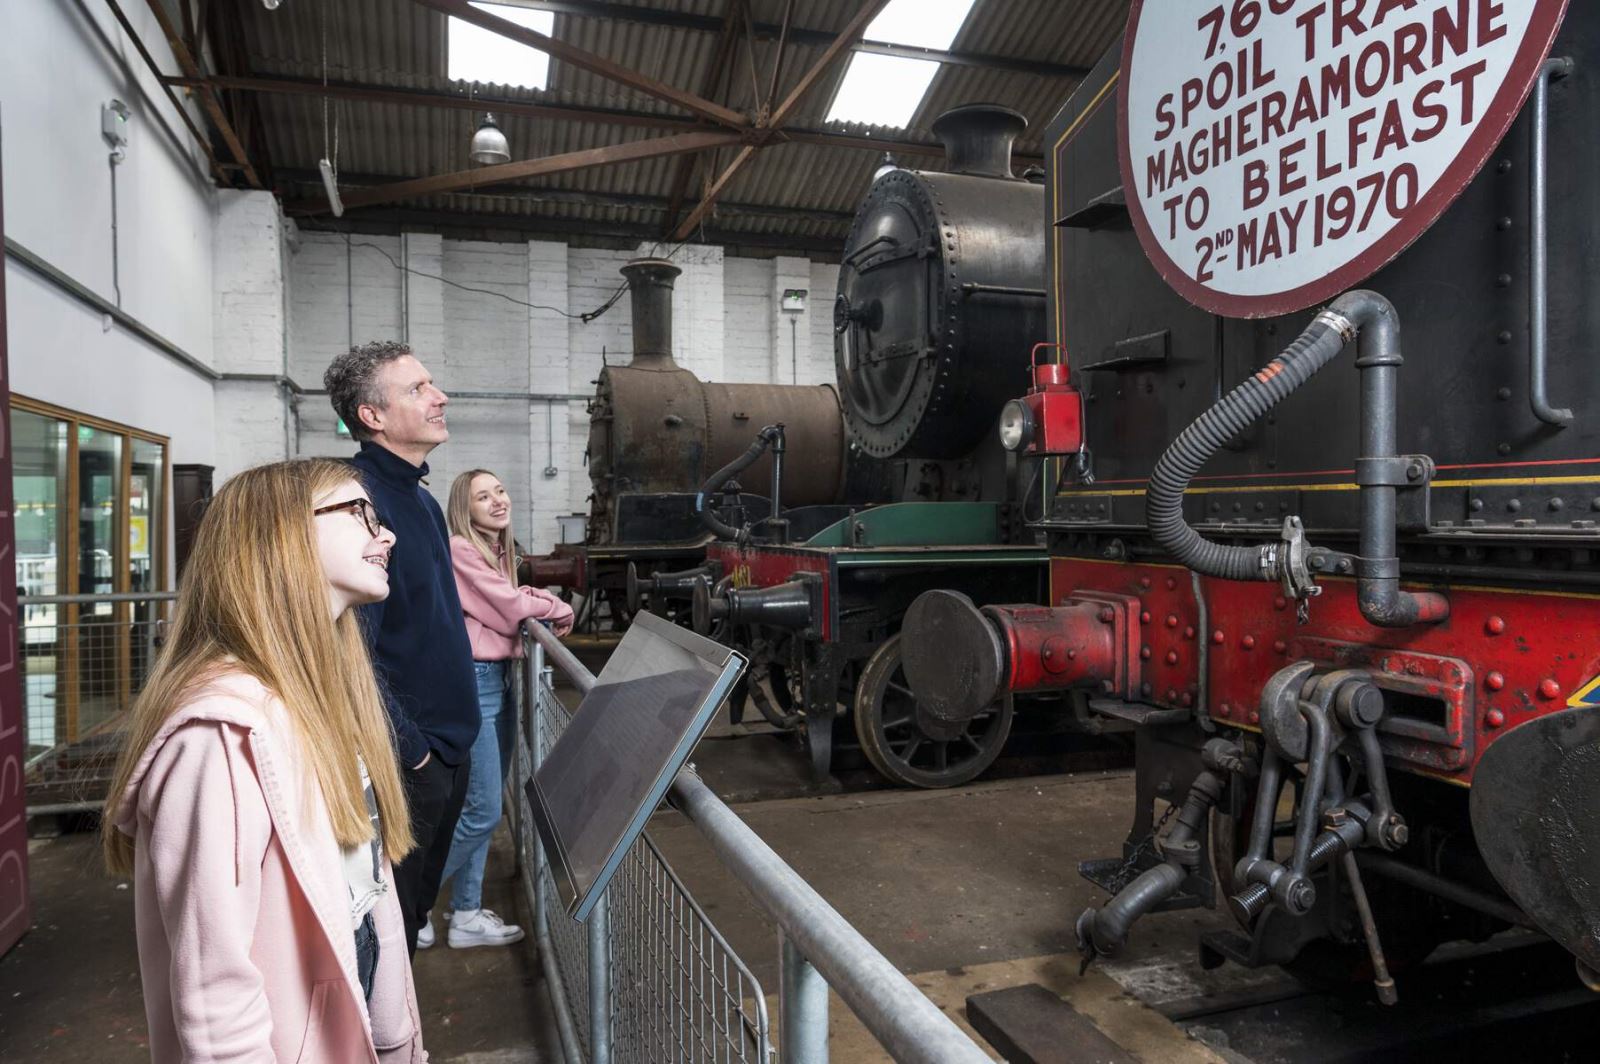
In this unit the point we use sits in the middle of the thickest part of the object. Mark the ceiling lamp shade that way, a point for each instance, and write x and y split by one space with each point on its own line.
489 144
887 167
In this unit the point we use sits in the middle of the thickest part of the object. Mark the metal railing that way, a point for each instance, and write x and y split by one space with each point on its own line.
84 660
650 979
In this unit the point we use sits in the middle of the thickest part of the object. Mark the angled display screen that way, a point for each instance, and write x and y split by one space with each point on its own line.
608 771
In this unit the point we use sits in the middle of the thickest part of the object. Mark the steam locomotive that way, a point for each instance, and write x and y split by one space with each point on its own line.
940 296
656 430
1348 607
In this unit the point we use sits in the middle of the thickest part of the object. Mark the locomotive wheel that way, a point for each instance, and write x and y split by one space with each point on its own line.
911 747
1408 935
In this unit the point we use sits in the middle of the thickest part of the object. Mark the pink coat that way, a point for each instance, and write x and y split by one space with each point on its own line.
246 950
494 607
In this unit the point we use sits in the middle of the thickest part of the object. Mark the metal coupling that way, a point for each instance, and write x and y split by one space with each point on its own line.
1296 893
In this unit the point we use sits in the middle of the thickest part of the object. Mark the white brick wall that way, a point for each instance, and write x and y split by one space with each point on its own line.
824 286
725 328
747 321
247 283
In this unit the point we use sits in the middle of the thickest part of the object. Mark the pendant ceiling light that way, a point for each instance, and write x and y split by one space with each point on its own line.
887 167
489 144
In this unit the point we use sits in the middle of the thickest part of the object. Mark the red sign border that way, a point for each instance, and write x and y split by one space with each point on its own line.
1501 112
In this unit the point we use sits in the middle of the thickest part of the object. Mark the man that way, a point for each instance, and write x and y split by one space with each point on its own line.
417 635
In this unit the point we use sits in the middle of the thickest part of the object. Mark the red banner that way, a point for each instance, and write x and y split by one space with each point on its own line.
14 911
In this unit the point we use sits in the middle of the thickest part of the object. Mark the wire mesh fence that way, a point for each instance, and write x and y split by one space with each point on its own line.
84 660
672 987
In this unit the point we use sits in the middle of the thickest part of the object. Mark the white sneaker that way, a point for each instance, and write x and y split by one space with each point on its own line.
425 934
481 927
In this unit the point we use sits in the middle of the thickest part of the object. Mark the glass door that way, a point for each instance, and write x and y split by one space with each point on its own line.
91 529
41 484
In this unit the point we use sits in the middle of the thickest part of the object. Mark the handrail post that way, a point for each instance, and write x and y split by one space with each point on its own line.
827 952
600 982
533 677
802 1007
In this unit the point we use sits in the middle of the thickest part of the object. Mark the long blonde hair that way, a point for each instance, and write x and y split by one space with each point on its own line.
459 516
254 589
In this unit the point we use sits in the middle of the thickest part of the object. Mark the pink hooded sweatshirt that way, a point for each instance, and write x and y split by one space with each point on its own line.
246 950
494 607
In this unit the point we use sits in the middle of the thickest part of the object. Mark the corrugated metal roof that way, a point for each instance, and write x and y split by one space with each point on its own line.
805 192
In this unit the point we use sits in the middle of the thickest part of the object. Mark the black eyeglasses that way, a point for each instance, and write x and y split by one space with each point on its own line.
362 508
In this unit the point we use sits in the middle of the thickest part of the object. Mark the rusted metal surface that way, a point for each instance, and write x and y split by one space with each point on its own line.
557 569
813 427
655 427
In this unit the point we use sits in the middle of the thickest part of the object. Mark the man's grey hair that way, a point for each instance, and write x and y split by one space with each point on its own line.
352 381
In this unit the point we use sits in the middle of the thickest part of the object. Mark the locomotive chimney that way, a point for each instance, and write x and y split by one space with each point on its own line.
650 287
977 138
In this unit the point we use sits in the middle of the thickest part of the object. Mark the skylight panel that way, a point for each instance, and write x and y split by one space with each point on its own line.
919 23
484 56
882 90
885 90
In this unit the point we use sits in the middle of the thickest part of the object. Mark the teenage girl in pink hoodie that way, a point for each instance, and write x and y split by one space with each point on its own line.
481 548
257 804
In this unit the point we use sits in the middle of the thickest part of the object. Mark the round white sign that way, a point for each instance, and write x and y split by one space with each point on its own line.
1278 152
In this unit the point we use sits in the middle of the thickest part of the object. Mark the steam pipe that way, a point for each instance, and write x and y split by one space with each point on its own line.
1362 314
1104 931
1429 883
1538 320
714 483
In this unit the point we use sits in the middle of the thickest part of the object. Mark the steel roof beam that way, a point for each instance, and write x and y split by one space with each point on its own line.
345 90
785 110
465 225
172 97
585 60
208 98
312 180
609 155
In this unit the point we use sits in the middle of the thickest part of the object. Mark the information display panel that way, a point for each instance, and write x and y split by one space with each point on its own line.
609 770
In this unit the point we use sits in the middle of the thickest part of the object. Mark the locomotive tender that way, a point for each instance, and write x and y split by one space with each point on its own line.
1349 606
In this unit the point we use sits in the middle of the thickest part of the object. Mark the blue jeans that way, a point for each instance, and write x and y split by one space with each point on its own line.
480 815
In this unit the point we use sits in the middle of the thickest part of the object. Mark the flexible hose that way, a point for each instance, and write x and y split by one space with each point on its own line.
708 517
1229 417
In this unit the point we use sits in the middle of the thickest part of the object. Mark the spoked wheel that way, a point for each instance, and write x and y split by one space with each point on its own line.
909 745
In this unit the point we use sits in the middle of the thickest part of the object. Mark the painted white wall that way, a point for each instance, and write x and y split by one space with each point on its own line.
60 60
503 320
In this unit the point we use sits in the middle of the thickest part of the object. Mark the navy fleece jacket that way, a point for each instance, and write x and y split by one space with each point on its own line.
418 635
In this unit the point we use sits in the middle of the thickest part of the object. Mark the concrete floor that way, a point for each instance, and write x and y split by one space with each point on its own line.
964 890
70 989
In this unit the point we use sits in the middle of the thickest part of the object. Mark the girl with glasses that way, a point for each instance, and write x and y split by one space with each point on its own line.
257 804
485 562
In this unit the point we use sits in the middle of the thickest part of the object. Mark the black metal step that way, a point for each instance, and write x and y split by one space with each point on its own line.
1030 1025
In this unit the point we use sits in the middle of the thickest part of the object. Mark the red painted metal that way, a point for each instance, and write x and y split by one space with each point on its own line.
15 914
1084 643
767 566
558 569
1515 654
1054 407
